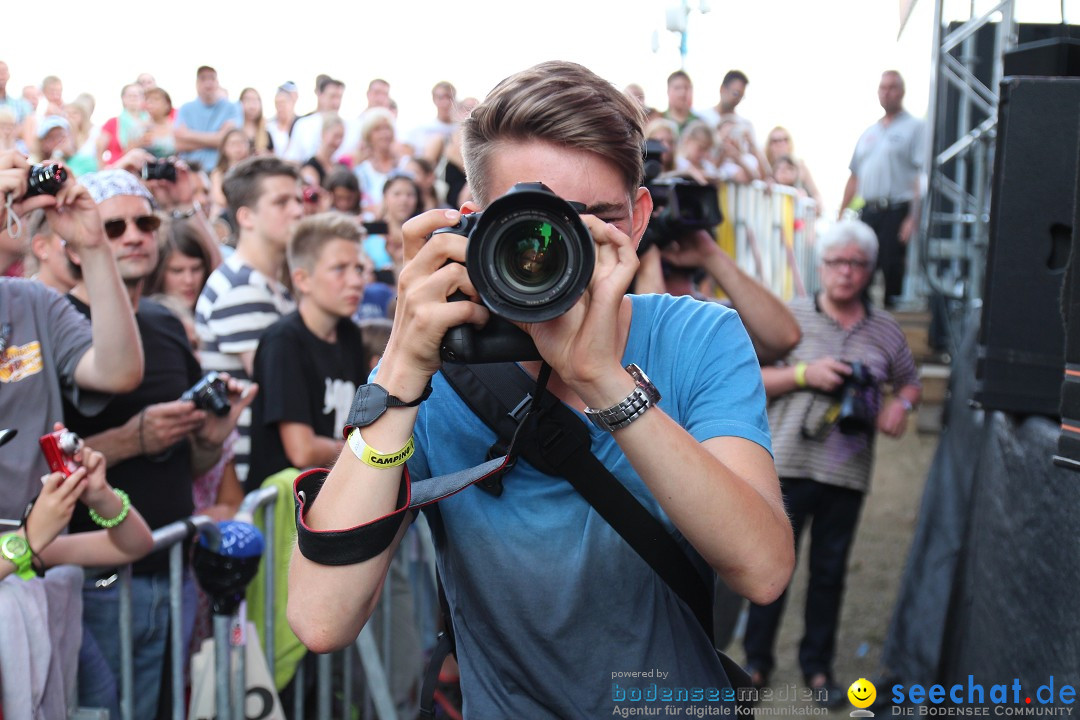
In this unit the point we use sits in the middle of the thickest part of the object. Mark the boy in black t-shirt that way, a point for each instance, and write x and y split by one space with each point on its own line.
310 362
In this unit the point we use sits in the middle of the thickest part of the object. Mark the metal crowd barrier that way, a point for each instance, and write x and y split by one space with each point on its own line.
230 670
770 231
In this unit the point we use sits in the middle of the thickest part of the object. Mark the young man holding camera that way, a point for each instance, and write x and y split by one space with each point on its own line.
824 465
245 294
547 602
153 441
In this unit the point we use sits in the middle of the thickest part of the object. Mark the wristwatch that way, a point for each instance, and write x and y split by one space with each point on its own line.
15 548
640 399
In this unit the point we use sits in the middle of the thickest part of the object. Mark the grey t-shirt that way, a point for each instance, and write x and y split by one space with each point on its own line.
887 159
43 338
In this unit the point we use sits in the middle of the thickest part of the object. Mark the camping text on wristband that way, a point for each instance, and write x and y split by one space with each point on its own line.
370 456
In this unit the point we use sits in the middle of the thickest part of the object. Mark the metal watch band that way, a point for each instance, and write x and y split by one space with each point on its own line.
633 406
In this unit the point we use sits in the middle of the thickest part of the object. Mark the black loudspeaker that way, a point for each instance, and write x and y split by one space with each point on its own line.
1021 337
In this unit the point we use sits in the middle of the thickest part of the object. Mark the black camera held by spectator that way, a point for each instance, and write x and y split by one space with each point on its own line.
679 205
159 170
858 401
530 258
210 393
852 408
45 179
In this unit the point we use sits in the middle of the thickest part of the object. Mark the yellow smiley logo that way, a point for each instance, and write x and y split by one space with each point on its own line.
862 693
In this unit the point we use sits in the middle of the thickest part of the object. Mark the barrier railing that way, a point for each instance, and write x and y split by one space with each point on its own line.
230 669
770 231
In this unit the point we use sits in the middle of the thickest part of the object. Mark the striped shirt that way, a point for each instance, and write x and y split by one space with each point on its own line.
843 460
236 305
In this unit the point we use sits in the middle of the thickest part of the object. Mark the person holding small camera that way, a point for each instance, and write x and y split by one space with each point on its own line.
826 408
545 599
48 351
154 441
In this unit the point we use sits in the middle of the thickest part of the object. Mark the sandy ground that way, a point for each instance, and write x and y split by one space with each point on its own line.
877 562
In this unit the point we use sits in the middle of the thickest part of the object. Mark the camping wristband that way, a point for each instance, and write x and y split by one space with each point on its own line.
372 458
108 523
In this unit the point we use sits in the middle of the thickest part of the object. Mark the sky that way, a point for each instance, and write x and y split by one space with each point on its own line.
813 66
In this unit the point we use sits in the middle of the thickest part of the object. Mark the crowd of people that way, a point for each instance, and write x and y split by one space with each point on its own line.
289 255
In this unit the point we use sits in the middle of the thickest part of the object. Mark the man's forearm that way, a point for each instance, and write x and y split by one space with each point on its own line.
203 456
188 139
768 322
849 194
118 355
119 443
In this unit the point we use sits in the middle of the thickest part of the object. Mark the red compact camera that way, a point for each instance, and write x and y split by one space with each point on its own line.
60 448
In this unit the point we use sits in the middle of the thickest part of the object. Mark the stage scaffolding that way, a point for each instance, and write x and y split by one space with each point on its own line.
950 255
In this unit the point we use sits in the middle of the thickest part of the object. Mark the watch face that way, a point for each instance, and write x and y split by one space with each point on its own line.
14 546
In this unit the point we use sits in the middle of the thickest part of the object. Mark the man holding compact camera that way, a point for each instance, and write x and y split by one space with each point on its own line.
826 408
547 602
49 352
154 441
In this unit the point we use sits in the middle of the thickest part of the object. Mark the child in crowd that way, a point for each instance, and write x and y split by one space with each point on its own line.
125 537
312 360
785 171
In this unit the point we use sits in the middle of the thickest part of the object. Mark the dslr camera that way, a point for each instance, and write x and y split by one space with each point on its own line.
45 179
210 393
530 258
857 398
159 170
59 448
679 205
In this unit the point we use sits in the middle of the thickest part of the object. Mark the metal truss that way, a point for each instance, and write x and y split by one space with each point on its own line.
950 257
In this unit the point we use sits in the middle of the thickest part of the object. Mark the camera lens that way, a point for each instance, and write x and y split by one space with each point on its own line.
531 256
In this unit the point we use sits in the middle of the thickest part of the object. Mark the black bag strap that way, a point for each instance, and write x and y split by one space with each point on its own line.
560 444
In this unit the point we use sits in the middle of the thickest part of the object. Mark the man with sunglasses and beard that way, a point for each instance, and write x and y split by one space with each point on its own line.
154 444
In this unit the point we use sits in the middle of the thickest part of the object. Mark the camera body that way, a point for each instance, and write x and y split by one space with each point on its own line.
59 448
679 205
858 398
45 179
530 258
210 393
159 170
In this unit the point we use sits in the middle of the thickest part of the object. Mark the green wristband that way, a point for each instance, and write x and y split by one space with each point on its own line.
113 522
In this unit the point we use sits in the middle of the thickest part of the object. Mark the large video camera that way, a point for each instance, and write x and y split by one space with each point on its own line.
530 258
679 205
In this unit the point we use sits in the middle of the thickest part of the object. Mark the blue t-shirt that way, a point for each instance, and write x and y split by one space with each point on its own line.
196 116
549 604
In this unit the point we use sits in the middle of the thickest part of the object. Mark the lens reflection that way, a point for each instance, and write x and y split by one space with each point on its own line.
531 256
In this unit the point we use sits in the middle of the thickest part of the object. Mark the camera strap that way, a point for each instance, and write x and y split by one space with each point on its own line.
365 541
556 442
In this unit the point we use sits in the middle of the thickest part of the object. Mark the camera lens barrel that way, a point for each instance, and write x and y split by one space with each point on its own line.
529 255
